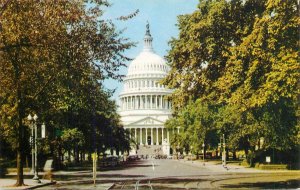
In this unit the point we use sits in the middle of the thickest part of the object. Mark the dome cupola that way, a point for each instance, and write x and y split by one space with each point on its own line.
148 62
148 39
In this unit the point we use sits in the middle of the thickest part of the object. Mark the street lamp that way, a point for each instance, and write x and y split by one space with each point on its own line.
203 145
224 152
33 121
30 119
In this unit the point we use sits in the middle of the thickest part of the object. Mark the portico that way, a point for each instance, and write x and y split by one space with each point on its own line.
155 134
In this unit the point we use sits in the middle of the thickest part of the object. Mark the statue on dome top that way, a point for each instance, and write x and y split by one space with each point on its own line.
148 29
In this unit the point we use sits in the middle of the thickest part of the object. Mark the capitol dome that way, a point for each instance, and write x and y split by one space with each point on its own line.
144 106
147 62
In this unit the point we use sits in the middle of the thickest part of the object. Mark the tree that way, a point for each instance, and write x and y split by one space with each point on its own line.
266 73
241 57
46 49
198 127
72 138
199 55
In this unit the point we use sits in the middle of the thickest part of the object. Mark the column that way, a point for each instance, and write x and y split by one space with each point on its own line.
166 104
151 103
168 137
156 136
160 106
146 136
135 134
136 102
162 135
140 102
143 102
121 104
151 135
141 136
132 102
129 102
126 103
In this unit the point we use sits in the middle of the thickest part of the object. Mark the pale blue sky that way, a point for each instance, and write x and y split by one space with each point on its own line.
162 17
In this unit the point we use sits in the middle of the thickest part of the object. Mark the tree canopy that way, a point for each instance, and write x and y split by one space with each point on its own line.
54 56
240 57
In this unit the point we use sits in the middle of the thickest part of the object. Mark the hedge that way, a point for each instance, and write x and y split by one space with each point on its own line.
271 166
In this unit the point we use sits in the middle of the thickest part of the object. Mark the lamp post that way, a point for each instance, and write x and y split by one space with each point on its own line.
203 145
33 121
224 152
30 119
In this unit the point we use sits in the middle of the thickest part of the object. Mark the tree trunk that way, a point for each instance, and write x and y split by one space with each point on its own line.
246 151
90 156
20 177
234 155
20 149
77 154
69 155
227 154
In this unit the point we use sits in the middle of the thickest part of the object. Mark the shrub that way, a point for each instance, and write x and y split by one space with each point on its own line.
271 166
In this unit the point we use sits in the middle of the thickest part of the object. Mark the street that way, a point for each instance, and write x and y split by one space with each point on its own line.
174 174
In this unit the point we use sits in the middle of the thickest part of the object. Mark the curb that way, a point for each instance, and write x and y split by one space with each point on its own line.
111 186
42 185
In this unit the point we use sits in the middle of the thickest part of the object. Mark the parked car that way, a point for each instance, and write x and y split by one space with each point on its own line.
132 157
110 161
170 157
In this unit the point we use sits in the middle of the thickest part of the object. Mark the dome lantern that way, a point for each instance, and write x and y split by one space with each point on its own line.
148 39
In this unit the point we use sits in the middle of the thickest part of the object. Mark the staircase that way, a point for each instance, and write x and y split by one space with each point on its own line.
150 150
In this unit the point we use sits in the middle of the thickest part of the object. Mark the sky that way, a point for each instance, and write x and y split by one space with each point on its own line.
162 17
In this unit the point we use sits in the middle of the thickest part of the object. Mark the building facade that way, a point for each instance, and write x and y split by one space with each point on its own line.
143 104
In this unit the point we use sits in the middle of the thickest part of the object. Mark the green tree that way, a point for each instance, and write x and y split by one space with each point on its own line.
197 127
46 49
71 139
199 55
266 70
241 57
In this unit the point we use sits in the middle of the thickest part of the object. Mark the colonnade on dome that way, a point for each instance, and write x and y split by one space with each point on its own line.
144 102
140 83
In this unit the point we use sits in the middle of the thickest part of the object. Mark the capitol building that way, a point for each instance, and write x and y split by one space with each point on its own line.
144 107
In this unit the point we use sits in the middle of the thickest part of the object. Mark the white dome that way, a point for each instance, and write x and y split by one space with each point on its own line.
147 62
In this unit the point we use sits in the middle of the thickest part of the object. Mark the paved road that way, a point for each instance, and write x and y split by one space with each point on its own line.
174 174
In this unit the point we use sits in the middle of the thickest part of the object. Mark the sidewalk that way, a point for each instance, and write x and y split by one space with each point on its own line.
8 183
219 167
